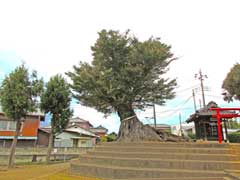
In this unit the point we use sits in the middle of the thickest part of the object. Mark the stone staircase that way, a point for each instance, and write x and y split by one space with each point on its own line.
160 160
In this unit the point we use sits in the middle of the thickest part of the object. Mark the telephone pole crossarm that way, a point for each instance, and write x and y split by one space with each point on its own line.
201 77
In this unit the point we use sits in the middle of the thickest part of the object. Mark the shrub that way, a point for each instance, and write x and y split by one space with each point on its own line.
111 137
234 137
103 139
192 136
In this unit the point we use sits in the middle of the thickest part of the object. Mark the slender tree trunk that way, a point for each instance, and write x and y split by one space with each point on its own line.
131 129
14 144
50 145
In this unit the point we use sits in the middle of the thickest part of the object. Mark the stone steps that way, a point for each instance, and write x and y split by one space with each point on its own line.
167 144
158 161
165 149
166 155
103 171
184 178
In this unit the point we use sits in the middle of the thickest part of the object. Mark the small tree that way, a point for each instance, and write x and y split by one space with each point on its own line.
111 137
56 100
18 96
125 74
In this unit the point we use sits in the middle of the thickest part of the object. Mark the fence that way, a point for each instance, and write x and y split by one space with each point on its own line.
38 154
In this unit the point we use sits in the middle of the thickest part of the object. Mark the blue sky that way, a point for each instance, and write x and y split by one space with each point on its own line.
51 36
8 60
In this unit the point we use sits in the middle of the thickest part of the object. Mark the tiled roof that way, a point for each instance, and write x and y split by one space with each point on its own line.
77 119
45 129
206 112
80 131
99 129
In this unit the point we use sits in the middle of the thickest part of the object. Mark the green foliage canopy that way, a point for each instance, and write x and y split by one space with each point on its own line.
19 93
125 73
231 84
111 137
56 100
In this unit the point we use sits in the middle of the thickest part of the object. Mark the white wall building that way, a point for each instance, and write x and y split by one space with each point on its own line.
186 128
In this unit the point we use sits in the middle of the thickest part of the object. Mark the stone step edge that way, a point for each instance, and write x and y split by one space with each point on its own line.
162 153
168 143
149 169
185 178
142 147
235 174
159 159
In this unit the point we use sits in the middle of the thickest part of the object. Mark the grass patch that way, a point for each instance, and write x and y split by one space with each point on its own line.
55 171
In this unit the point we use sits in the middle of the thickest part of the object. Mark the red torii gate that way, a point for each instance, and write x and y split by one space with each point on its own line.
219 116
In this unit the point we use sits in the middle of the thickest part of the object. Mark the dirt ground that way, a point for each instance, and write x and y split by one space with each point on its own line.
40 172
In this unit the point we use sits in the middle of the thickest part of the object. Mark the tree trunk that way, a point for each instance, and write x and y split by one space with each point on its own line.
50 145
131 129
14 144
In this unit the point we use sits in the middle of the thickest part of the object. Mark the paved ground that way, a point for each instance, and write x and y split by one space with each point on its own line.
40 172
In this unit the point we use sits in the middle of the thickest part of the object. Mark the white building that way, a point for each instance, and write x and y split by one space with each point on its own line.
186 128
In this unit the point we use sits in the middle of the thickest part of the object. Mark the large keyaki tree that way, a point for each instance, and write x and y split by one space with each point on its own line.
56 100
19 94
125 75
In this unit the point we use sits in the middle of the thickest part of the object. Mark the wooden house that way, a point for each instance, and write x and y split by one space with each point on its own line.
75 137
28 133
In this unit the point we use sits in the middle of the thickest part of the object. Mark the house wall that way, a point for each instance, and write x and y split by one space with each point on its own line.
85 142
42 138
20 143
186 128
94 140
63 143
29 128
28 134
66 139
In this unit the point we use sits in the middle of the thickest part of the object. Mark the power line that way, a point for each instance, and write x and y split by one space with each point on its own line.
177 110
211 95
183 101
169 110
180 108
186 89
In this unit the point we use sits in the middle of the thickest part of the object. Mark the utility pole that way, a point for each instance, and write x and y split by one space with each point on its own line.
154 116
180 122
194 100
201 77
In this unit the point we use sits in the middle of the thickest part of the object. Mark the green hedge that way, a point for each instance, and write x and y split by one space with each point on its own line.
234 137
192 136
